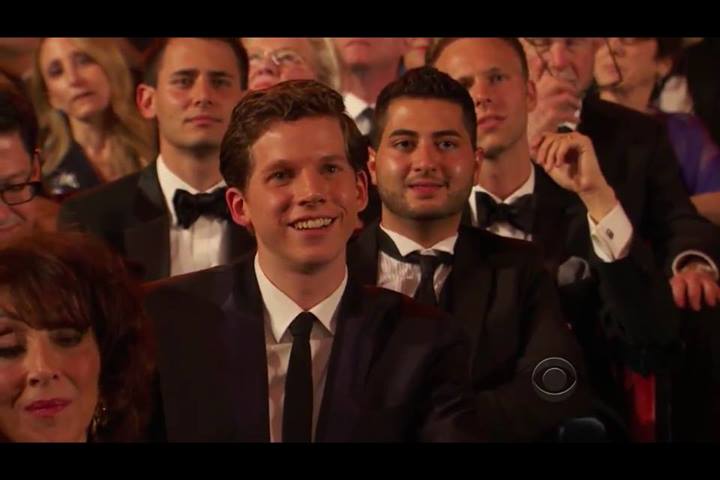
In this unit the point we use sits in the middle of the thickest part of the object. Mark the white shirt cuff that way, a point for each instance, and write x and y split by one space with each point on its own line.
680 260
611 237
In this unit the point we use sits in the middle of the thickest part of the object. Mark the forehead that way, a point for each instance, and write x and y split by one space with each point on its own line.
54 48
14 159
197 54
306 139
470 55
270 44
423 115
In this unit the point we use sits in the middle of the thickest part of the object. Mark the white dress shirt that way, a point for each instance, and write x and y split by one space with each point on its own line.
279 311
205 243
611 237
404 277
355 106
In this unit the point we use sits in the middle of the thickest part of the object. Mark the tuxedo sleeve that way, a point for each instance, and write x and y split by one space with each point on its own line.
516 410
636 307
672 222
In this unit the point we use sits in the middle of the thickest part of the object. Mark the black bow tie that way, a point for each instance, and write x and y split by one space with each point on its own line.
519 214
189 207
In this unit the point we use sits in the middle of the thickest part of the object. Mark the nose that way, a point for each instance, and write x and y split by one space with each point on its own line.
559 56
311 187
424 157
613 44
41 362
202 91
73 74
266 65
480 94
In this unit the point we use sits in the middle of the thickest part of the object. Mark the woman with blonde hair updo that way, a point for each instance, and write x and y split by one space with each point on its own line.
90 129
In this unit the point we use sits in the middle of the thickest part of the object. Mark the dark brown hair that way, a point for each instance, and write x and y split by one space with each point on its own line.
284 102
57 280
425 83
152 58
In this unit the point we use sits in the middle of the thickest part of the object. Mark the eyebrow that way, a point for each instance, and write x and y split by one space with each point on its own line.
186 72
411 133
13 177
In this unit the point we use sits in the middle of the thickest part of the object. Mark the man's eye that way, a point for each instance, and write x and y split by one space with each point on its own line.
403 144
447 145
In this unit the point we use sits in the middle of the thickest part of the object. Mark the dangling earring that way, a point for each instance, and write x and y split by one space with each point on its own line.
99 419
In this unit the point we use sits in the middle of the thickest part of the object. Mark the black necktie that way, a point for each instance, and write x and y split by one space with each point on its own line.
189 207
298 404
519 214
425 292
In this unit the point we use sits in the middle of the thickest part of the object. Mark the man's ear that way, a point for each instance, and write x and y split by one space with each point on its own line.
479 157
145 99
372 166
361 184
239 208
530 95
36 165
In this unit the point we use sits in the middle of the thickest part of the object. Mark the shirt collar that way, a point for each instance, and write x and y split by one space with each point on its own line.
526 188
281 310
406 246
169 183
354 104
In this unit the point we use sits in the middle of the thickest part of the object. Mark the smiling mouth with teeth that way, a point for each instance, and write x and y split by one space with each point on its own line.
313 224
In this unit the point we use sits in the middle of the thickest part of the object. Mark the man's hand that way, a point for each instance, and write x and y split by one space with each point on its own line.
558 102
570 160
691 284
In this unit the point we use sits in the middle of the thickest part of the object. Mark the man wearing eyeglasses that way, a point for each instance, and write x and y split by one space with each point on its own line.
637 159
21 209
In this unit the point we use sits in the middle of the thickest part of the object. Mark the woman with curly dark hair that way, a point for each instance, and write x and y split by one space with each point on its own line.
74 358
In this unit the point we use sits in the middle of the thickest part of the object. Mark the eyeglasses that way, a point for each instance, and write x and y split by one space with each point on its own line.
542 44
283 58
18 193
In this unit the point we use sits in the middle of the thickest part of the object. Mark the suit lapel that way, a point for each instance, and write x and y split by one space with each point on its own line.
352 352
553 207
248 374
469 284
362 256
147 240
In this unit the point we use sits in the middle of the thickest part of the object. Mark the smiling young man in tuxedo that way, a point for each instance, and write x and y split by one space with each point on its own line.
283 345
424 161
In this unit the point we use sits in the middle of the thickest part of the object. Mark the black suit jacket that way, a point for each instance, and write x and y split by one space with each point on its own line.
621 312
131 216
396 370
638 161
509 310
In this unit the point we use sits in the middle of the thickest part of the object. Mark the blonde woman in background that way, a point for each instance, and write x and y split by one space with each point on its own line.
90 129
275 60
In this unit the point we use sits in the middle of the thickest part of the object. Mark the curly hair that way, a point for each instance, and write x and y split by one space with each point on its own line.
71 280
287 101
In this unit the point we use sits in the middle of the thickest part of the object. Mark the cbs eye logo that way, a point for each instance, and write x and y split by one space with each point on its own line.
554 379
